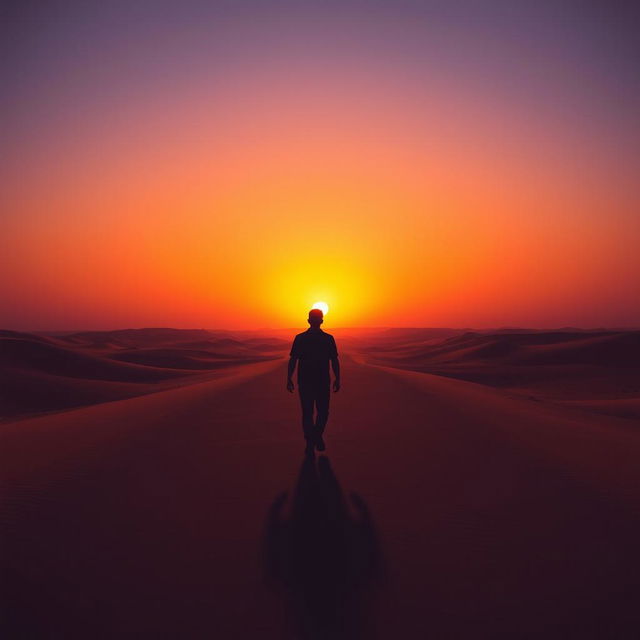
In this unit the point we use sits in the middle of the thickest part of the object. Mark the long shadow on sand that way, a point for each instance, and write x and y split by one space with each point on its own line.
323 556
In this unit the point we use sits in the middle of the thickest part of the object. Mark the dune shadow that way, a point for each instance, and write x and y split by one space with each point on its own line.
321 553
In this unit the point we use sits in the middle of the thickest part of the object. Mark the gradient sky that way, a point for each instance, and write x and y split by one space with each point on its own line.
227 164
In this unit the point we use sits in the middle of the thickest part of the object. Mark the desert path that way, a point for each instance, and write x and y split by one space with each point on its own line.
495 516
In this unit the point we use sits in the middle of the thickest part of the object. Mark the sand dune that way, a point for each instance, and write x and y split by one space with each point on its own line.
135 337
27 354
36 375
45 373
187 358
18 335
595 371
613 348
24 392
165 337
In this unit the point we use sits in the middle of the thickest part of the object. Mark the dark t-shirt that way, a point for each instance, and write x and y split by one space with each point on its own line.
314 350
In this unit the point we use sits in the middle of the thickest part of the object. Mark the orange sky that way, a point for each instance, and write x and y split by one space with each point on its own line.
237 200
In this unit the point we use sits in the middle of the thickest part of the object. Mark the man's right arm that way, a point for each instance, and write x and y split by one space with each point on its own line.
290 370
293 358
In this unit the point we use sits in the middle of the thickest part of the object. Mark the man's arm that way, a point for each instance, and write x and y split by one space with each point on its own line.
294 356
335 365
290 370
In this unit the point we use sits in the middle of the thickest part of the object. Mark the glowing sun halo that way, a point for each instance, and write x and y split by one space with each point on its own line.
323 306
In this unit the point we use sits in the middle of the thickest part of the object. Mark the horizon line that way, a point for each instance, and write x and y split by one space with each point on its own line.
338 328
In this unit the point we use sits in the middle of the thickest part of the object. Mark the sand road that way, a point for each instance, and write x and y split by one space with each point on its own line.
475 515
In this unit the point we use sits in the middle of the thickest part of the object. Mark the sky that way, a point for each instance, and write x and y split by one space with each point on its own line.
228 164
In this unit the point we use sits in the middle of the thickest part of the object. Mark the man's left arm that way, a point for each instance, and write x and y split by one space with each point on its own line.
335 365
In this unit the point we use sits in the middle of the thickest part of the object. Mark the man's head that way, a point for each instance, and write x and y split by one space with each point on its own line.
316 317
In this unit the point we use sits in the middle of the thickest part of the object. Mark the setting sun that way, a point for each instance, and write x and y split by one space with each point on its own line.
323 306
253 167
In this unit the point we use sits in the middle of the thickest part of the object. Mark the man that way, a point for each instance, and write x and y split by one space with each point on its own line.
313 350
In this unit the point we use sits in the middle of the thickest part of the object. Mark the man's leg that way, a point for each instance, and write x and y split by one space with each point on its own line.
306 403
322 396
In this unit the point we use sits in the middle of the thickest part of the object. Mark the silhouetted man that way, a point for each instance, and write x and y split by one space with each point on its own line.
313 350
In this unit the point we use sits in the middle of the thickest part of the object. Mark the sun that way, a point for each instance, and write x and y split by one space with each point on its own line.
323 306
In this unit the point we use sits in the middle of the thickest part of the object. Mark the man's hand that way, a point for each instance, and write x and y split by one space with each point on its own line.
290 385
336 385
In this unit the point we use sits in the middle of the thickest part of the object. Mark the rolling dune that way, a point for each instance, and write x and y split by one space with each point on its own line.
595 371
41 373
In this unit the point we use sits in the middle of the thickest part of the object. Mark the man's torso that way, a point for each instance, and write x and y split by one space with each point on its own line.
314 350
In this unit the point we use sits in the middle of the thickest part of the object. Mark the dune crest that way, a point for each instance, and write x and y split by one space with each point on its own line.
590 370
40 373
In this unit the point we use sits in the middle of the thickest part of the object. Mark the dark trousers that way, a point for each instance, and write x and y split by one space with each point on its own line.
314 395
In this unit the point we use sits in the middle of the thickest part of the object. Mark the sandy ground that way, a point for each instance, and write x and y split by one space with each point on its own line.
441 509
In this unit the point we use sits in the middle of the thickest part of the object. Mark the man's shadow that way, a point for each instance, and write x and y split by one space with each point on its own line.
322 553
